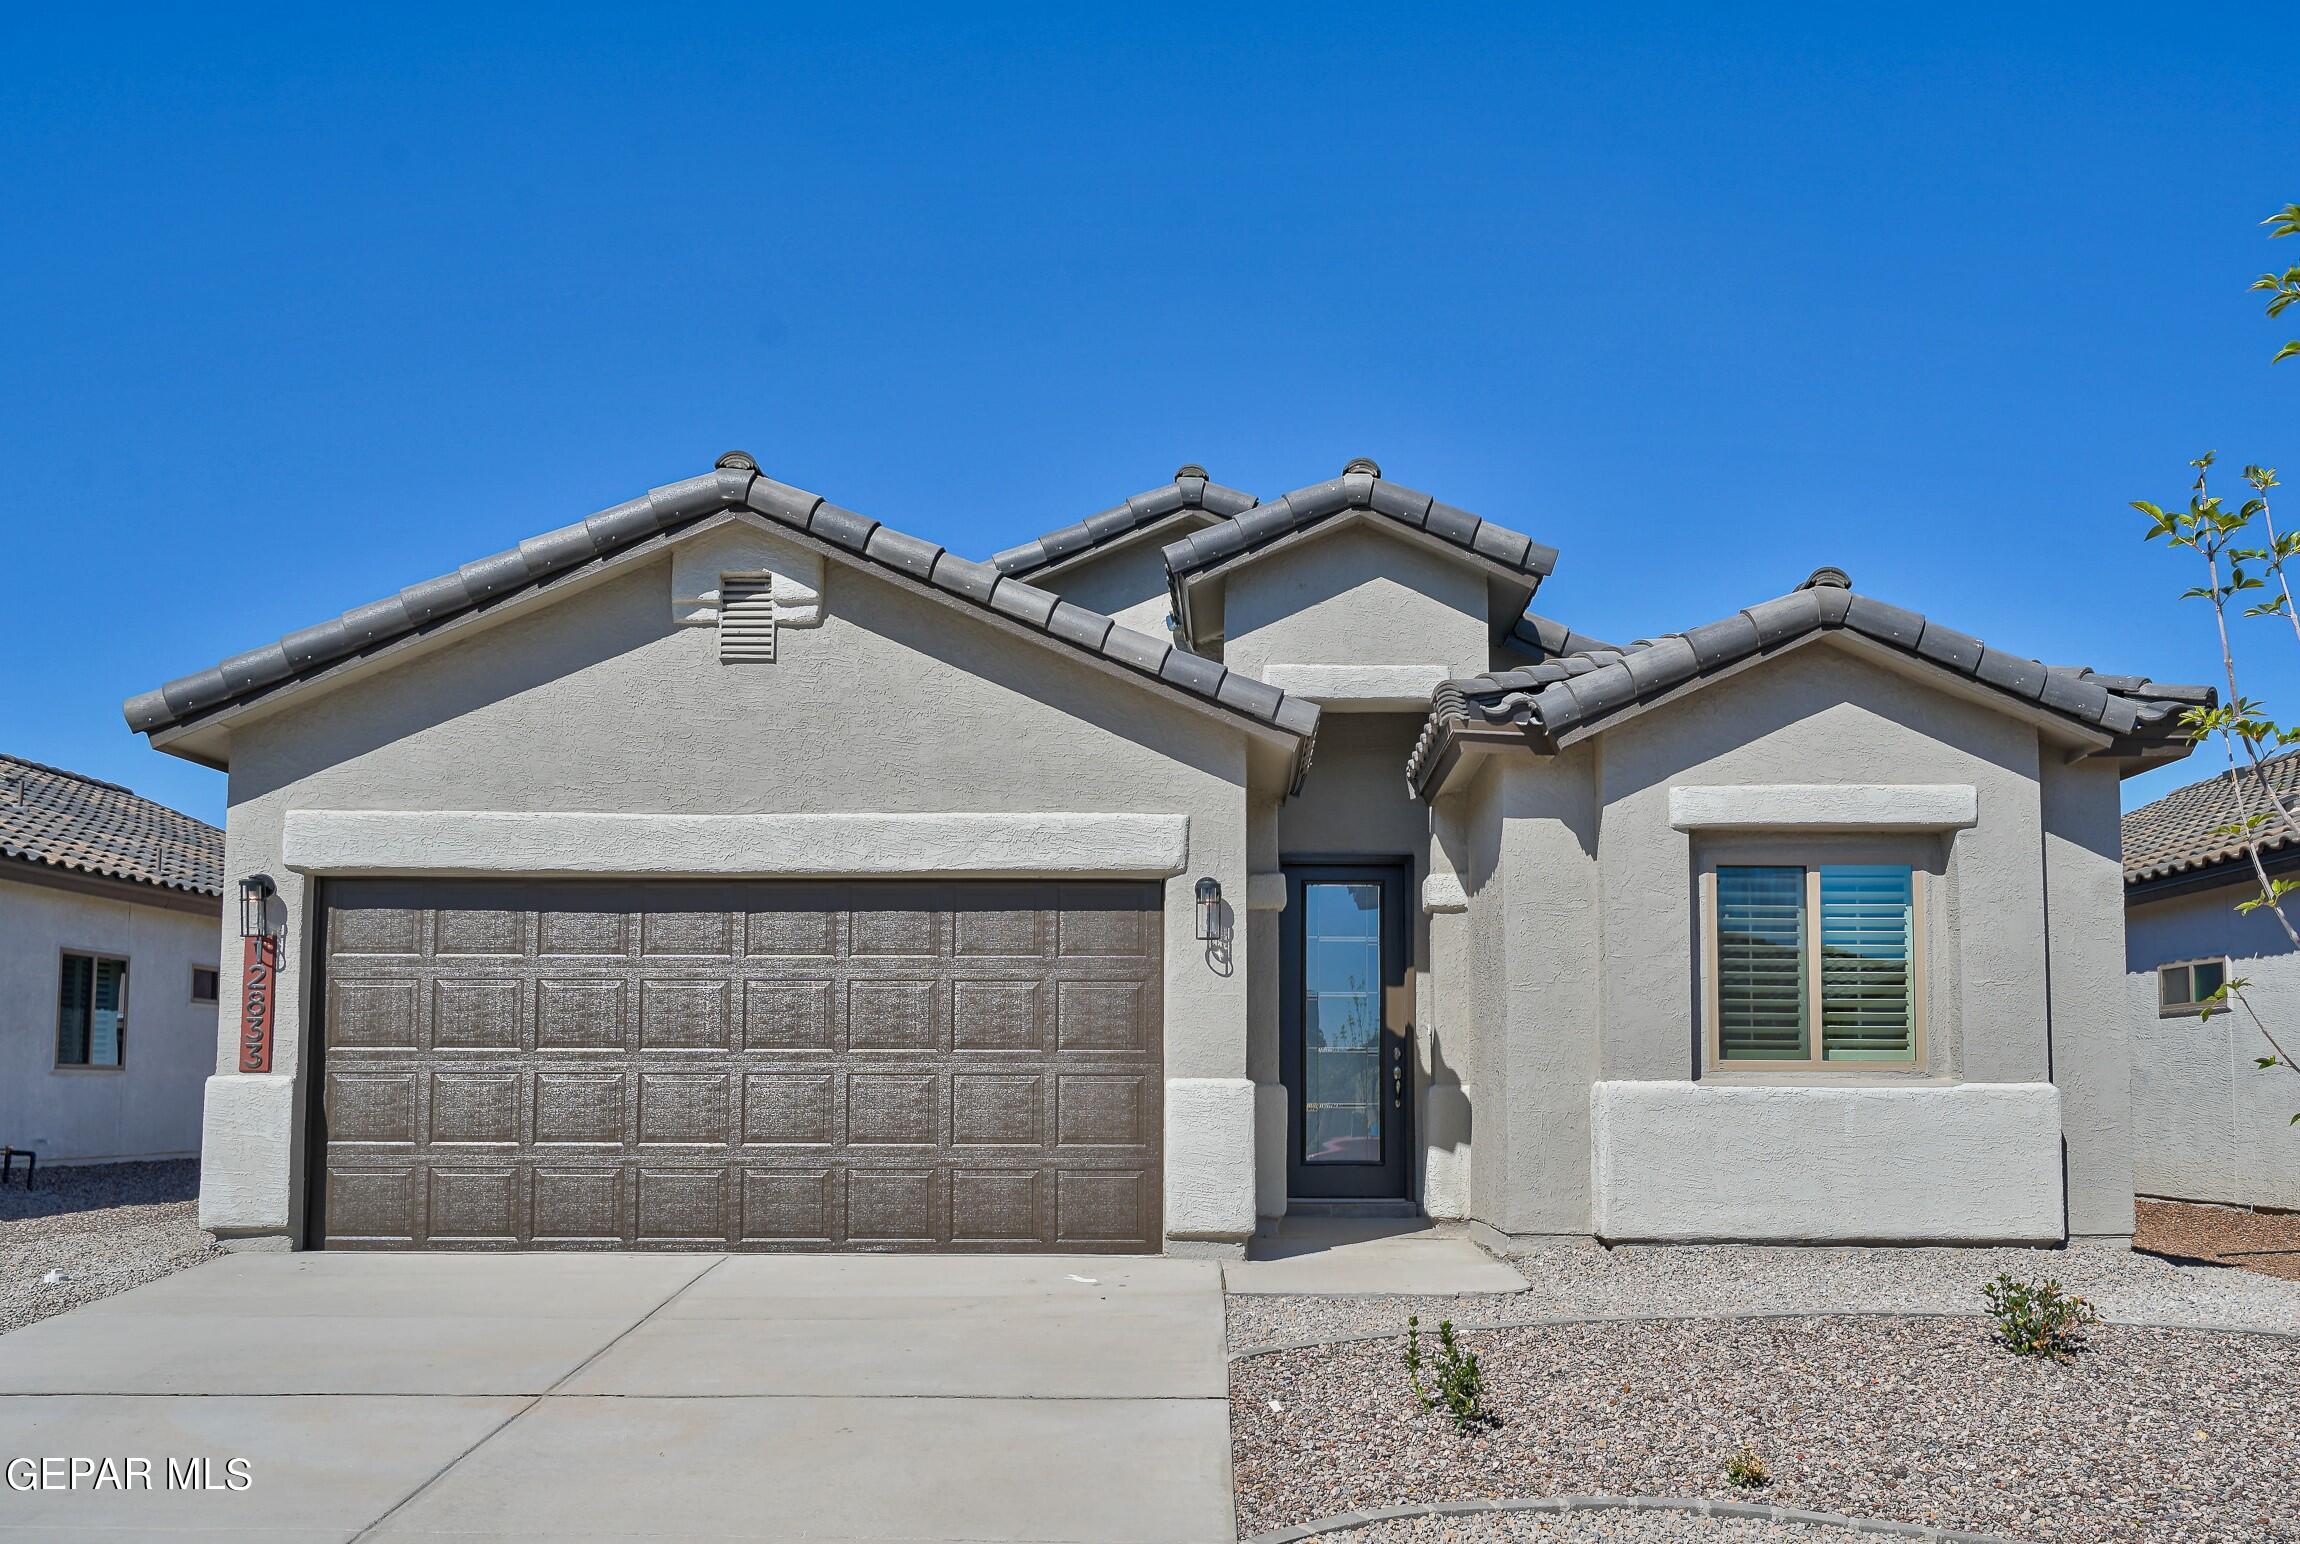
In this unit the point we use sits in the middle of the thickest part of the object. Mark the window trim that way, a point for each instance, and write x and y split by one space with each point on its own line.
2193 1008
1920 968
207 1002
57 1064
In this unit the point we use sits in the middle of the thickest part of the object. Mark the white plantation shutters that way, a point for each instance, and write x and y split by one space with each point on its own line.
746 621
1761 964
90 1001
1867 932
1815 964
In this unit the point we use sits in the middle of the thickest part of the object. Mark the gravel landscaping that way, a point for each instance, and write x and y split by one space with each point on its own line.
1632 1281
2266 1242
2149 1434
1592 1528
105 1227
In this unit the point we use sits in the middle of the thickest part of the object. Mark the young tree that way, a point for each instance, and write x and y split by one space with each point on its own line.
2243 552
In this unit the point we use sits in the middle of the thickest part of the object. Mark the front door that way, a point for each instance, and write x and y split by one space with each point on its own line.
1342 1048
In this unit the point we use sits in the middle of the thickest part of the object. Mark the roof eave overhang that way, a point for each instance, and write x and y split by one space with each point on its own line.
1162 530
1459 744
2060 729
111 887
206 738
2212 875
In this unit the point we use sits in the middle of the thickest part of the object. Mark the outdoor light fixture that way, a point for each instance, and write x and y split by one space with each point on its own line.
256 892
1209 910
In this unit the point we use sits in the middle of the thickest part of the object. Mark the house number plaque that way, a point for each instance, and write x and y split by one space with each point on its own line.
259 983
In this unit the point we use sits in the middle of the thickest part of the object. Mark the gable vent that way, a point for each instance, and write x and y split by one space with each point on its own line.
746 621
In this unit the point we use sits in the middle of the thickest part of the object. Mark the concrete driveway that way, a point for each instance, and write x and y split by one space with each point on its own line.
634 1397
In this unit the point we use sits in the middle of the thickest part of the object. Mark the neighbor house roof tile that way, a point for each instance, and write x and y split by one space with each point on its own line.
1189 491
63 820
2184 830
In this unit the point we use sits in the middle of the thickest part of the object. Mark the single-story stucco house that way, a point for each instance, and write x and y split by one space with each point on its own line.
110 926
731 870
2208 1122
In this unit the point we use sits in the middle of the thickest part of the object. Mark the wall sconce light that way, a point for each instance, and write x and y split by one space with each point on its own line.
1209 910
256 892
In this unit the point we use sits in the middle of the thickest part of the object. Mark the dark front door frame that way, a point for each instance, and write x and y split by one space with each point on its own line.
1390 1178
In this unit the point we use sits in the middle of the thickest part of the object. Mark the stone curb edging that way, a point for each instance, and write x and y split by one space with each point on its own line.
1566 1320
1345 1522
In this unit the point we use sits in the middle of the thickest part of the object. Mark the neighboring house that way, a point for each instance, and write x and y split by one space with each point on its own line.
2208 1122
110 911
731 870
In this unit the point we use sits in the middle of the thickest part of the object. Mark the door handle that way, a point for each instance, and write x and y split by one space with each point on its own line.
1397 1075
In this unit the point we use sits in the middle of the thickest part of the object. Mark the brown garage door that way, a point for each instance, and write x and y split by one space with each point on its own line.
869 1066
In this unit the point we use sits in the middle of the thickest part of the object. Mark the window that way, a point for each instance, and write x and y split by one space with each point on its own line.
1814 964
2185 988
203 984
91 1011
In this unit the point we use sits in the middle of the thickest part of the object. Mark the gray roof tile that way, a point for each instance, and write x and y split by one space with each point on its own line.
1359 487
62 820
734 484
1577 690
1189 490
2182 831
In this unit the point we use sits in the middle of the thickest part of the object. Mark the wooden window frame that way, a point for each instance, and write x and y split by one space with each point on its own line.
2193 1008
1920 966
56 1034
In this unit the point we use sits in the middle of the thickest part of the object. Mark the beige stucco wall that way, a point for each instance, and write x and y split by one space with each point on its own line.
2209 1123
150 1106
1352 595
1584 910
895 704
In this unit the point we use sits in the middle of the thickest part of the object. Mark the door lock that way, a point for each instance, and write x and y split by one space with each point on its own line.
1397 1075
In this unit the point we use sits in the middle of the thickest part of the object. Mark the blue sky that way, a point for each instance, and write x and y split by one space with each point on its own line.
298 308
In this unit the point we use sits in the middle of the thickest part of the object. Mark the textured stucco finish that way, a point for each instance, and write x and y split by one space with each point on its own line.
1209 1158
1360 688
563 842
150 1106
2207 1123
1825 806
895 705
1681 1162
1353 595
246 1168
1583 926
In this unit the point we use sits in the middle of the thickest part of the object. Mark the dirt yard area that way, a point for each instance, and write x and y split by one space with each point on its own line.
2267 1242
84 1233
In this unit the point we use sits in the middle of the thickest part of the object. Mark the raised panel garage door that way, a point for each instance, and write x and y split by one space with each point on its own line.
690 1065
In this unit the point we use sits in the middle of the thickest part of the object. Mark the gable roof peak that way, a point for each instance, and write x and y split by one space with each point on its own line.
737 461
1827 578
1365 464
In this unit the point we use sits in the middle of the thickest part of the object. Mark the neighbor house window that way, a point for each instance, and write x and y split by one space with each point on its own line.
203 984
91 1011
1814 964
2188 986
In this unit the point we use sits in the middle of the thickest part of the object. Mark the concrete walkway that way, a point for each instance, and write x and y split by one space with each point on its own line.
656 1397
1359 1256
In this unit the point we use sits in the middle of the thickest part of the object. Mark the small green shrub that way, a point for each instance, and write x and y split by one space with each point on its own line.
1455 1381
1747 1471
2036 1318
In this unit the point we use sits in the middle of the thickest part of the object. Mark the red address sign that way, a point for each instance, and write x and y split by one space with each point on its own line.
259 997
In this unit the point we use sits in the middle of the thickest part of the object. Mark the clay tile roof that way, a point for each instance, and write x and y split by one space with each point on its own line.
2183 830
1189 492
734 484
1579 685
63 820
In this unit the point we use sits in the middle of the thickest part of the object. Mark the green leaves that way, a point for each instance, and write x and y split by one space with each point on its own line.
2284 222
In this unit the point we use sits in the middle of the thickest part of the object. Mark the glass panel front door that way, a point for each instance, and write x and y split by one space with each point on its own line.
1341 1023
1344 1034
